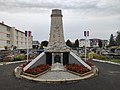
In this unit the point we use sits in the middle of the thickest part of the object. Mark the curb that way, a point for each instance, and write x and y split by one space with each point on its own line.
106 62
58 80
7 63
1 64
18 74
15 62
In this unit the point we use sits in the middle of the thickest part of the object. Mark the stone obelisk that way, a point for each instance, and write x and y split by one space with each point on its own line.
56 40
57 53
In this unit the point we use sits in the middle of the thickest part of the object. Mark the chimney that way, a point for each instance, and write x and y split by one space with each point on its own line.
2 22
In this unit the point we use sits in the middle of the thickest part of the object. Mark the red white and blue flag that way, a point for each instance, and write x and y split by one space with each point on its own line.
86 33
28 33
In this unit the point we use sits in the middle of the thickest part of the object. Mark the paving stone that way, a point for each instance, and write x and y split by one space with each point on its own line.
58 75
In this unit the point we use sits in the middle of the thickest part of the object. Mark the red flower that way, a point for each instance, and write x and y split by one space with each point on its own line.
38 69
77 68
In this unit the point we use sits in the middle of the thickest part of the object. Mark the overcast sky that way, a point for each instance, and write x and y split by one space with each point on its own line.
100 17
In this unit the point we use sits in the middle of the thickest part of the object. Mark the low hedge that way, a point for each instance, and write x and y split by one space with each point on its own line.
96 56
19 57
101 57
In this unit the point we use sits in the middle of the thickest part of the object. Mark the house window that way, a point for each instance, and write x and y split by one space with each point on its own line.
8 29
8 35
8 42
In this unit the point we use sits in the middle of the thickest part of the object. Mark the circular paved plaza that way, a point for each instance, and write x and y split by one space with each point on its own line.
108 79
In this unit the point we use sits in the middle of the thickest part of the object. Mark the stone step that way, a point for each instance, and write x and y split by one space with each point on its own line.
58 67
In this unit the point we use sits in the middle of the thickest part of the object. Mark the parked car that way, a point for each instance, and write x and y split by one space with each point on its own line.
1 58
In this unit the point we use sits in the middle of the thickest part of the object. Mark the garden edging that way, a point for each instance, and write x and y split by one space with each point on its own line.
31 75
81 75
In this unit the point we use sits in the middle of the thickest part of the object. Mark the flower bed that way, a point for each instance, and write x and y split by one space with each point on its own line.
77 69
41 69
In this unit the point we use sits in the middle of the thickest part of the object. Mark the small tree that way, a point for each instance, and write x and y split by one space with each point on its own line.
69 43
44 43
112 41
41 46
76 43
118 39
100 43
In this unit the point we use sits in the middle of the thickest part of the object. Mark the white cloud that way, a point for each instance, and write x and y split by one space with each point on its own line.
99 7
101 17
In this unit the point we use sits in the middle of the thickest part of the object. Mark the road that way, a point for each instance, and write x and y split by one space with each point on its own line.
108 79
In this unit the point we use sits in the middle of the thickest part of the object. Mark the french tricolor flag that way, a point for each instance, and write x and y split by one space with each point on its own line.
86 33
28 33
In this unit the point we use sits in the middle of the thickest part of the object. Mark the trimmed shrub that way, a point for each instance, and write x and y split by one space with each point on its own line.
83 56
19 57
101 57
96 56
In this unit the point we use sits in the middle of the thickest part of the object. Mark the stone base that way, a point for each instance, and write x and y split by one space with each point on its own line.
58 67
57 74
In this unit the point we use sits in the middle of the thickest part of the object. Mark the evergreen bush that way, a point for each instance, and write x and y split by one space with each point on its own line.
19 57
96 56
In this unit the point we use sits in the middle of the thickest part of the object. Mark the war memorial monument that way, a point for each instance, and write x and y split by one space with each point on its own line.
58 62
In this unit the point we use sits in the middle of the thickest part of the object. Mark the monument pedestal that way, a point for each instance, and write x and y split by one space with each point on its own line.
57 57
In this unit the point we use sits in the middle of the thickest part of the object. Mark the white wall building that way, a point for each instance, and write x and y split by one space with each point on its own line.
92 43
82 43
11 37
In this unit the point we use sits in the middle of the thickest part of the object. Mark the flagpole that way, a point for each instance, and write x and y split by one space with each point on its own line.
27 46
85 48
86 34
